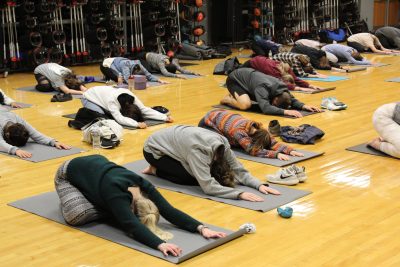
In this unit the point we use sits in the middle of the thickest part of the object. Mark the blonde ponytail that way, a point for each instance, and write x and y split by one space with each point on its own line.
149 215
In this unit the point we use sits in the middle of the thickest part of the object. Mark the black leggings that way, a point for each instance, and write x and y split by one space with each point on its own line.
109 73
43 84
170 169
233 87
357 46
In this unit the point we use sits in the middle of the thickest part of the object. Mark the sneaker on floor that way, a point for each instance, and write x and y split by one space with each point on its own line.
337 102
61 97
330 105
274 128
283 176
299 171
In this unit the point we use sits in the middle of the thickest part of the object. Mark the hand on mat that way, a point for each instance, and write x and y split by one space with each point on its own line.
181 76
23 154
296 153
120 80
315 87
208 233
268 190
282 156
163 82
311 108
142 125
293 113
15 105
250 197
169 119
173 249
59 145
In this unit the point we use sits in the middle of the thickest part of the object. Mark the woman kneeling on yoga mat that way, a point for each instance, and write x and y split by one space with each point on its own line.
92 187
246 134
15 132
386 120
191 155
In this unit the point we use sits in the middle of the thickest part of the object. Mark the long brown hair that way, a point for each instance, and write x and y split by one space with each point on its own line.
220 168
261 137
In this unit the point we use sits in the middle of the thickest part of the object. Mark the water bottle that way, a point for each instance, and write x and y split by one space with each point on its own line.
96 142
131 83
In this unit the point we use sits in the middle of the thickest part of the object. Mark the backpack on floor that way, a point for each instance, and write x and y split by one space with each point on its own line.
110 132
227 66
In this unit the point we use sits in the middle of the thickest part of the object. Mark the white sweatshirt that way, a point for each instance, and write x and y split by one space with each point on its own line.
107 98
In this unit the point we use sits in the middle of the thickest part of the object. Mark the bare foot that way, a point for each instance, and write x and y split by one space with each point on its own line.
375 143
150 170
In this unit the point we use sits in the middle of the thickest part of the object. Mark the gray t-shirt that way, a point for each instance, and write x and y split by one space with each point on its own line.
53 72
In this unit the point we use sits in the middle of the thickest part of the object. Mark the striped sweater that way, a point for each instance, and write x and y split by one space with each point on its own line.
236 129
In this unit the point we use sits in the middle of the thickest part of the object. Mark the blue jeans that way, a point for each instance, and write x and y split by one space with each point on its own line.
92 106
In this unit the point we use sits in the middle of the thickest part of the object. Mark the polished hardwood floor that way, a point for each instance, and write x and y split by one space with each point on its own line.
351 218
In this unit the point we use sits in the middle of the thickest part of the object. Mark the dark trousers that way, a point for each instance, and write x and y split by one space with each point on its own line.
358 47
170 169
43 84
234 86
385 42
259 51
109 73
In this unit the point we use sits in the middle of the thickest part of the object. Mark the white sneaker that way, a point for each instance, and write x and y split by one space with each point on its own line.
283 176
299 171
337 102
330 105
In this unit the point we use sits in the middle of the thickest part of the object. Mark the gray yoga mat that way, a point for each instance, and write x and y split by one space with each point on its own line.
43 152
47 205
148 122
244 56
256 109
316 91
33 90
396 80
270 201
381 53
276 162
8 108
365 149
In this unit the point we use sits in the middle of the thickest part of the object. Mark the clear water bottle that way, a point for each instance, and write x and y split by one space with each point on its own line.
96 142
131 83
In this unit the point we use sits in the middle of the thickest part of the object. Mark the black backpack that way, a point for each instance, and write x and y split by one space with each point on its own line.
227 66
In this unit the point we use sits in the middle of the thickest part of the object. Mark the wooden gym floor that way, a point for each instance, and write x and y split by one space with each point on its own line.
351 218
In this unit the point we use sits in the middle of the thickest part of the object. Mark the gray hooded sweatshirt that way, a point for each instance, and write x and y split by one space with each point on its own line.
194 148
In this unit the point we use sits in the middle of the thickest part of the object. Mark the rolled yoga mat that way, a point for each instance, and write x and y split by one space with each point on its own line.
43 152
315 91
396 80
270 201
276 162
47 205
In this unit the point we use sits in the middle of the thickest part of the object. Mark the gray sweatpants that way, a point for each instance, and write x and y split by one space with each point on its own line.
75 208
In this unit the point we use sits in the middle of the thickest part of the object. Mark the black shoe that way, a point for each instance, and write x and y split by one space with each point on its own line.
161 109
274 128
61 97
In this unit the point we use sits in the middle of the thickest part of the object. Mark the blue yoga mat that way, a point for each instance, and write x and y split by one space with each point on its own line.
329 79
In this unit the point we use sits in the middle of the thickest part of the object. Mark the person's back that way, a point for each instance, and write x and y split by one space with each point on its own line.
181 142
309 43
315 55
253 80
389 36
53 72
266 66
